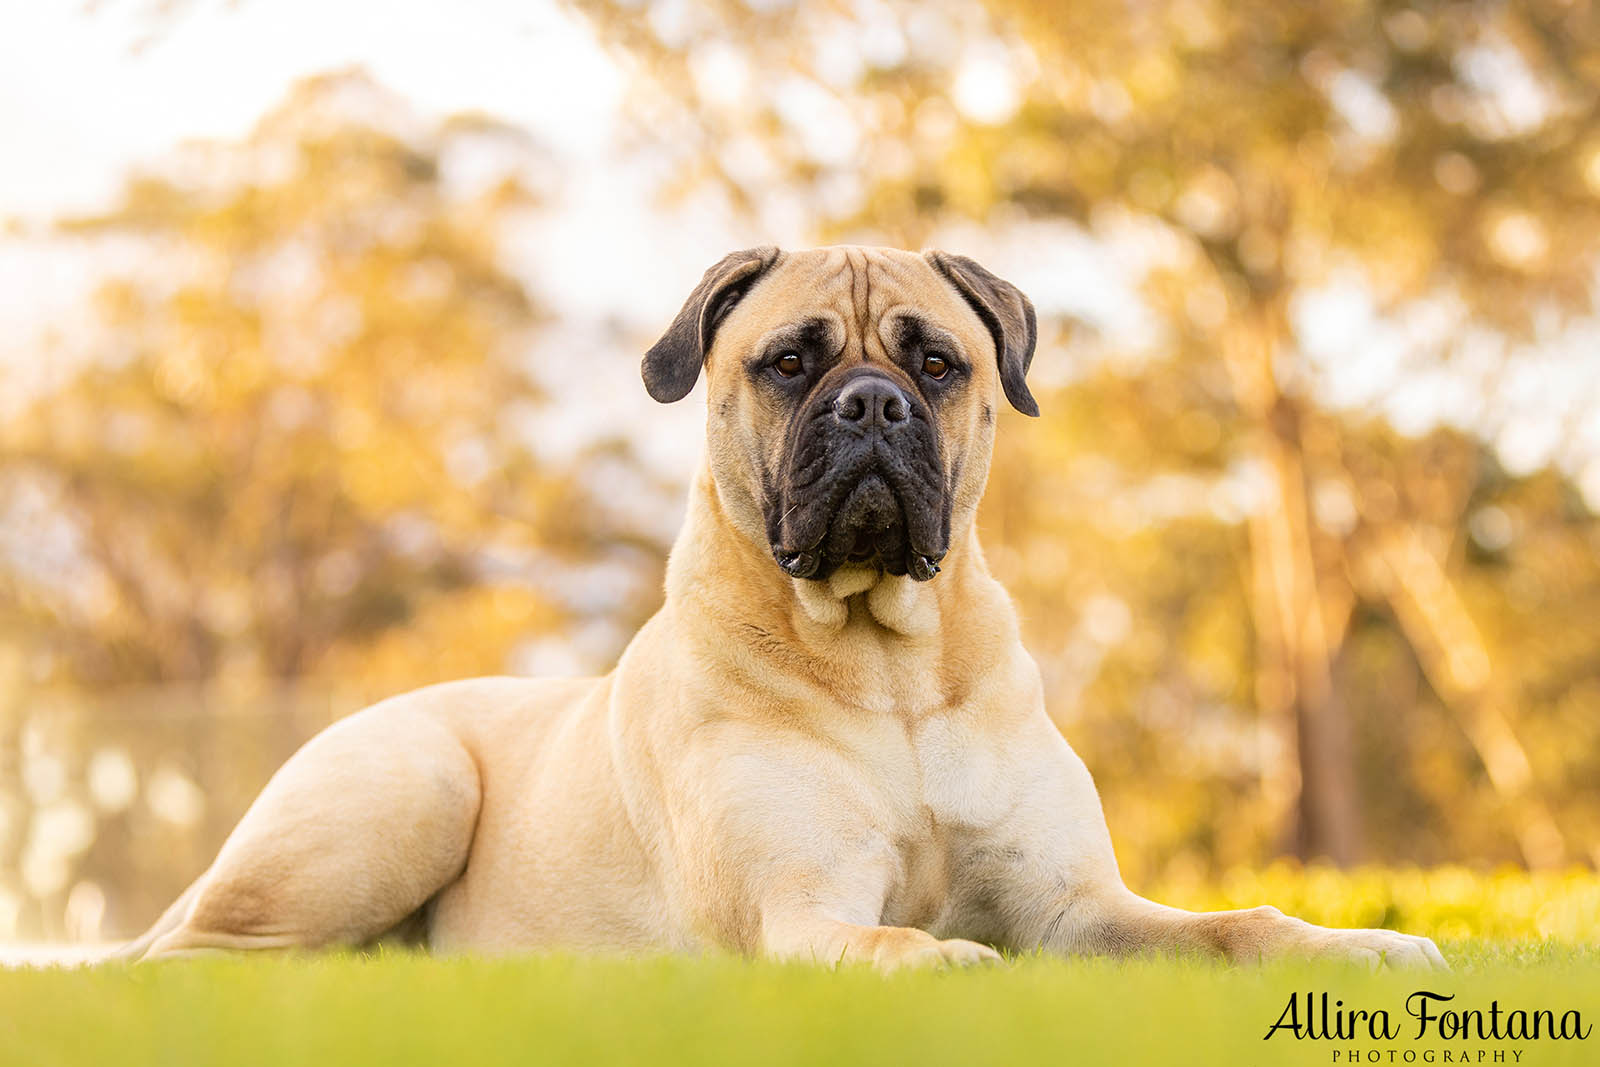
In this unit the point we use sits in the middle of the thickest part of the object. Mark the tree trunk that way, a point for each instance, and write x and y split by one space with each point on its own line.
1308 769
1456 661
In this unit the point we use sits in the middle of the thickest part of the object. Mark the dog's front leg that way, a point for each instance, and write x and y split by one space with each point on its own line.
1065 894
822 900
1120 923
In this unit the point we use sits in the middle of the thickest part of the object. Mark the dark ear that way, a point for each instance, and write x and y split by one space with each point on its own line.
1009 316
673 363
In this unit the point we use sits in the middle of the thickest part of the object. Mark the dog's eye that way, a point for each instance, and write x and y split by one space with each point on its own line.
789 364
935 367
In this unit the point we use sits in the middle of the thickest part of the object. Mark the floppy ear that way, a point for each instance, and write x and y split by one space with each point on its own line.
673 363
1008 315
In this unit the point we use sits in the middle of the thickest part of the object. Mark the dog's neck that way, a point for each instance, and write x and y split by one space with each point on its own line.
712 552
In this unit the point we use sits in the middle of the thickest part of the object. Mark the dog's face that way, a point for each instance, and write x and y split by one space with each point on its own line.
851 398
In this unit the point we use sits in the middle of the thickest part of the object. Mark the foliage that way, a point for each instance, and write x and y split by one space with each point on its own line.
297 470
302 421
1113 520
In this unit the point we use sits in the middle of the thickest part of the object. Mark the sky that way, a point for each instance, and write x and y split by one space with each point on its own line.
82 102
90 90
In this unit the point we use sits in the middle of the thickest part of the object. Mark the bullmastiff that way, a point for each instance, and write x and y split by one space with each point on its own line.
829 744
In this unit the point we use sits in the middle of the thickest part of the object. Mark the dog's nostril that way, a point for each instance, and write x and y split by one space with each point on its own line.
850 408
894 410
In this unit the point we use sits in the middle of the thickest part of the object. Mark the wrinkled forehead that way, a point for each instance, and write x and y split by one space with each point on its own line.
856 289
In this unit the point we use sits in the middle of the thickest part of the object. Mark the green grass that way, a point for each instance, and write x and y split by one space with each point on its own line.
399 1008
1525 940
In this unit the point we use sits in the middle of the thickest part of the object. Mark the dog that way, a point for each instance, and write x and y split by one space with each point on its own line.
829 743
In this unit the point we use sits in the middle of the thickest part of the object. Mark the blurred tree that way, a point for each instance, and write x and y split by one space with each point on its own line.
304 415
1448 152
1118 524
298 458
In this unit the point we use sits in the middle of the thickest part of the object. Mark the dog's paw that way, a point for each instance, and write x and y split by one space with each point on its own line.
941 955
1375 949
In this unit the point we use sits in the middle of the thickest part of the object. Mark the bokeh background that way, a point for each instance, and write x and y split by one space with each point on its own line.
319 335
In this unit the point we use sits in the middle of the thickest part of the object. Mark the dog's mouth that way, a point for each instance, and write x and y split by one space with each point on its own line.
863 485
867 526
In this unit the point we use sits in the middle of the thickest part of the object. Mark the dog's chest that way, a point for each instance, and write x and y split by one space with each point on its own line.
943 762
946 794
962 785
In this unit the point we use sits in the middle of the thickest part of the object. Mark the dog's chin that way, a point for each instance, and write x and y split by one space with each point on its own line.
866 537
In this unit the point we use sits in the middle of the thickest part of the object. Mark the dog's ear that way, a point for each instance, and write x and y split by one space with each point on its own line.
1008 315
673 363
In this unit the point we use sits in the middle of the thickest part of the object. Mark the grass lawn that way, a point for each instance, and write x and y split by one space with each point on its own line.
401 1008
1535 948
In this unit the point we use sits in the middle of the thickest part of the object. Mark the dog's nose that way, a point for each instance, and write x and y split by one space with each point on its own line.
871 402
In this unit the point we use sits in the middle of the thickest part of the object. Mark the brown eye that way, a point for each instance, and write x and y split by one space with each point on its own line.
935 366
789 365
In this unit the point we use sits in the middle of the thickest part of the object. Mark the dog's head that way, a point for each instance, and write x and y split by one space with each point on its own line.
851 397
